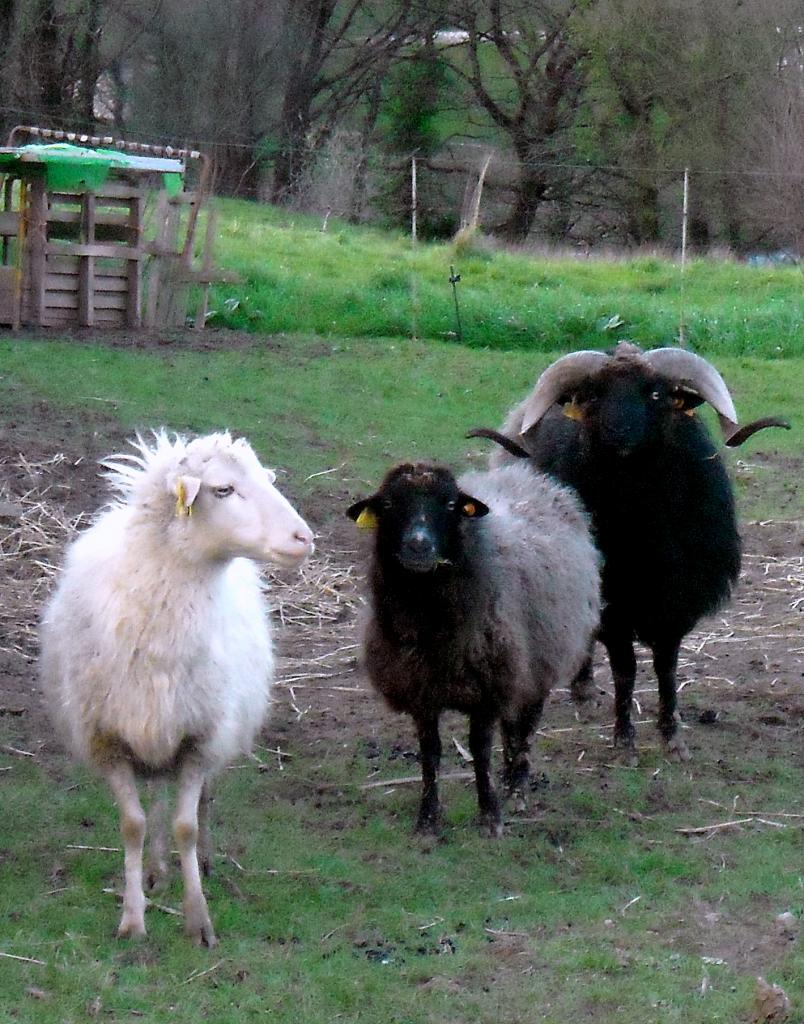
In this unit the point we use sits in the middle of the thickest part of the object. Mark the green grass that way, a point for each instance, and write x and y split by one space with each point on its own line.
597 910
358 404
353 282
361 922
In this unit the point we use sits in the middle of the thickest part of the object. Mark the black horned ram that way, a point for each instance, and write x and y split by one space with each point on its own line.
621 429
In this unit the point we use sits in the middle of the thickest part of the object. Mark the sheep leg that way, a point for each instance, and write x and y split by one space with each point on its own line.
185 829
156 871
622 659
665 663
581 687
120 777
516 737
205 851
481 730
430 752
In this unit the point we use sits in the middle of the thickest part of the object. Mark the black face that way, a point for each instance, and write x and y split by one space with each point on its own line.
417 512
625 411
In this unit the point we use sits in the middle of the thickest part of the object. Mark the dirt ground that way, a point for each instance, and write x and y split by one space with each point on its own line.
740 677
740 670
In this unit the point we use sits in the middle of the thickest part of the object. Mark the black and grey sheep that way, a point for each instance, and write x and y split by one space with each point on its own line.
484 595
620 428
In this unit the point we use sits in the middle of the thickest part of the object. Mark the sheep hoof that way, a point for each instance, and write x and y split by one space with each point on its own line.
199 928
495 828
156 876
585 712
626 751
677 749
427 827
583 693
131 926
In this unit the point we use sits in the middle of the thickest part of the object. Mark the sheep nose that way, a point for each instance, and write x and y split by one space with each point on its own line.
419 543
304 537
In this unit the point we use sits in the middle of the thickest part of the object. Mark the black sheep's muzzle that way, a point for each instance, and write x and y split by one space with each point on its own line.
418 551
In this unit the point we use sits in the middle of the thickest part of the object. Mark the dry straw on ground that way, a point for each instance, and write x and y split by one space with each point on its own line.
33 531
314 603
316 607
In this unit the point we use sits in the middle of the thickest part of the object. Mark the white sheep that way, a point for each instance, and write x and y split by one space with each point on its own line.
156 647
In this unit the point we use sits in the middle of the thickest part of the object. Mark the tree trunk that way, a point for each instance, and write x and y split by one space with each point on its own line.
366 132
643 213
530 191
307 25
47 65
290 158
237 171
89 63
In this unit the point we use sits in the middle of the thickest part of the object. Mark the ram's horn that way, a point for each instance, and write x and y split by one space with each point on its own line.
558 379
505 442
750 429
699 375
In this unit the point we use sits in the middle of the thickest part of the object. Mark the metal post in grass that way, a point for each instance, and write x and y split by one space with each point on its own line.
453 280
414 292
413 199
682 340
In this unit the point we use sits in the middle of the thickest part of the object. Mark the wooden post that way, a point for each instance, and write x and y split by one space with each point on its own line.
86 264
36 243
134 267
8 195
161 218
471 217
22 242
206 268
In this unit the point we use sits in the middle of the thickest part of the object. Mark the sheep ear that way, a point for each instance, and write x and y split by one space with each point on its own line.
186 489
685 400
472 508
364 513
572 410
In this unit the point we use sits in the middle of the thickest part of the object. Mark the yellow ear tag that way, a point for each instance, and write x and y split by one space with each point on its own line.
367 520
573 411
678 403
469 509
182 508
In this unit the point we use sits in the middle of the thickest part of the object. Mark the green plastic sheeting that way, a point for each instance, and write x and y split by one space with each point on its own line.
71 168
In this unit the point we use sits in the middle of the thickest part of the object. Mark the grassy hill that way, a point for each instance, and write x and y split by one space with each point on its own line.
358 282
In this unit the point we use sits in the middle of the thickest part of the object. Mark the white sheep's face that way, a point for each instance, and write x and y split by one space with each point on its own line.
233 509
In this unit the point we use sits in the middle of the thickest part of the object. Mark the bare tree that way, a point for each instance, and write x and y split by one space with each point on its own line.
525 68
337 52
773 180
675 85
50 59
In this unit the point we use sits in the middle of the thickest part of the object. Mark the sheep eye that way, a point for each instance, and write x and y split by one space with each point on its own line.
451 506
655 396
223 492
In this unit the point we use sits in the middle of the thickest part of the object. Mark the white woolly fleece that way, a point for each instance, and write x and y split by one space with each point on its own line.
145 646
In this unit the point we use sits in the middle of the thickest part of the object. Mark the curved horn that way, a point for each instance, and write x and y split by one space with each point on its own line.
505 442
687 368
749 429
556 380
